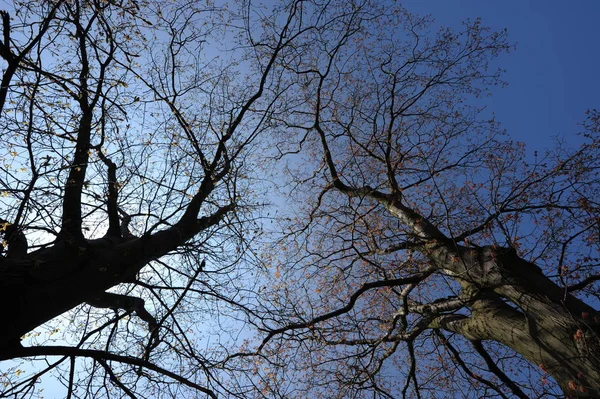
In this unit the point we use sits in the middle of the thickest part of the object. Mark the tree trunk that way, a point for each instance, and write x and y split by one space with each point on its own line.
46 283
515 304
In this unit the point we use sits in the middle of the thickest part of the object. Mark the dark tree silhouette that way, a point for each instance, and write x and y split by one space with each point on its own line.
127 131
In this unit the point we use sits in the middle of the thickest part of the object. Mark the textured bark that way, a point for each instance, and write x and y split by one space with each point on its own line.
546 325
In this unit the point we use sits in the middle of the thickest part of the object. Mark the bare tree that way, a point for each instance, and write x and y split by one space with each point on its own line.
128 132
427 257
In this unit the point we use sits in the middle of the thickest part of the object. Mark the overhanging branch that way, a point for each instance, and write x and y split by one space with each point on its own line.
35 351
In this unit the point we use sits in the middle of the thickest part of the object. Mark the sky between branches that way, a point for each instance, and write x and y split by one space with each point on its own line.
553 72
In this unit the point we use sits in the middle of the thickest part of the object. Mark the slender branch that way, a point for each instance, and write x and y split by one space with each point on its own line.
348 307
14 60
458 359
35 351
493 367
115 380
583 283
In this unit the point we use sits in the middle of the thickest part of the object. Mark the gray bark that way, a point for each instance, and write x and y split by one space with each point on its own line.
546 325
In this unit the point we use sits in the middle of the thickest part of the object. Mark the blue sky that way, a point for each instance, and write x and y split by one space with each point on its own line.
553 73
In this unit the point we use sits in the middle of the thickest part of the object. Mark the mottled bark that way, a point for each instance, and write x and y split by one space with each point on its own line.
518 306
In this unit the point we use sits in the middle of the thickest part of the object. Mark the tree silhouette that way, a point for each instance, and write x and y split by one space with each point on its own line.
421 256
126 141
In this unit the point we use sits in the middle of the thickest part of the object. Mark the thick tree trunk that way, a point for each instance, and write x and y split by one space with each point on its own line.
515 304
38 286
46 283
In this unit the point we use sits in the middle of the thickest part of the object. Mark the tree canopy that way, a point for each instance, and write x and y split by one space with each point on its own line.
232 199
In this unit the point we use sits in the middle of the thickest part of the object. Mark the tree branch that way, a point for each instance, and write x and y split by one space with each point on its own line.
493 367
346 308
129 303
100 355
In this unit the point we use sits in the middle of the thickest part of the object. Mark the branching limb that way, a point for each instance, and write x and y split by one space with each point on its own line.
100 354
127 303
12 59
114 379
348 307
491 318
72 214
455 353
412 374
583 283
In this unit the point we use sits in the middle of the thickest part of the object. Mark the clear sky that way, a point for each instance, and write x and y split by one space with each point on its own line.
553 74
